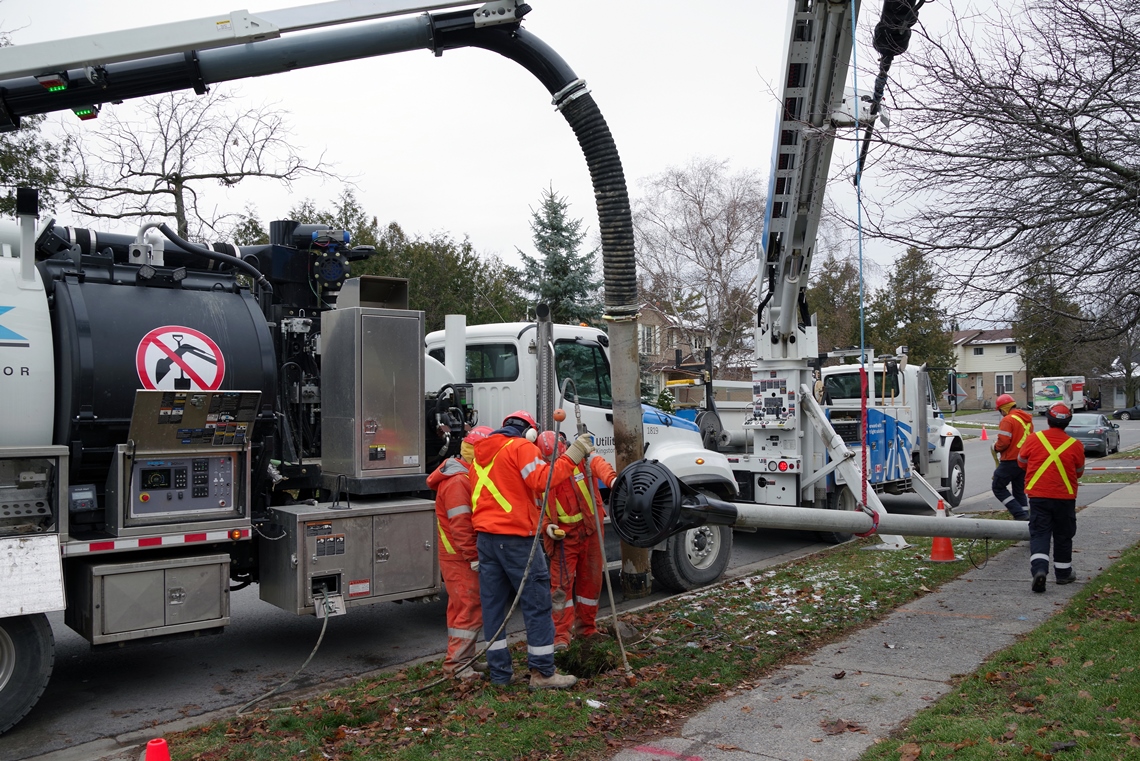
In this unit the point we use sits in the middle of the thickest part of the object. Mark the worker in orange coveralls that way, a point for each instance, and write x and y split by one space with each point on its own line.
576 560
458 558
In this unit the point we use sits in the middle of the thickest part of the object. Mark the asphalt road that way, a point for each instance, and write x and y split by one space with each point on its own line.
98 693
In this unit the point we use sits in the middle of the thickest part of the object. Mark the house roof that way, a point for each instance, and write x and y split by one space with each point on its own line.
977 337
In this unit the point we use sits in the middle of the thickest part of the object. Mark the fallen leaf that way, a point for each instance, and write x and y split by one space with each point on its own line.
1080 733
817 739
1133 741
1057 661
745 709
923 587
1064 745
864 684
839 675
1086 664
1084 694
909 752
727 747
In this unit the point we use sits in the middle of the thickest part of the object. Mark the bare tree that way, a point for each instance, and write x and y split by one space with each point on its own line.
1014 152
698 229
159 164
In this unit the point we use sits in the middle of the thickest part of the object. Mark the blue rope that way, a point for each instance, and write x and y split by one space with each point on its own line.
859 230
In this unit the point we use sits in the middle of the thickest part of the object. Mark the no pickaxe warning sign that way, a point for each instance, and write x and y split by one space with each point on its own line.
179 358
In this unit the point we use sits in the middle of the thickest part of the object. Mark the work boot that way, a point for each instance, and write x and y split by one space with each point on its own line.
1067 579
560 645
480 667
555 681
1039 582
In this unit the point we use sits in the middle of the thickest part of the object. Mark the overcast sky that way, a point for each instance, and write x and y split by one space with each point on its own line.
466 143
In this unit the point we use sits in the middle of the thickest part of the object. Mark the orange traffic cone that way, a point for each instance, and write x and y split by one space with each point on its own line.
984 436
156 750
941 550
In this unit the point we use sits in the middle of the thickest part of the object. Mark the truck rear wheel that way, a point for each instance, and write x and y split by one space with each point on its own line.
693 558
27 654
840 499
955 485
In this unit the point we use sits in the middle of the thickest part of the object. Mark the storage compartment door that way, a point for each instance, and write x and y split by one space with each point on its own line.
405 552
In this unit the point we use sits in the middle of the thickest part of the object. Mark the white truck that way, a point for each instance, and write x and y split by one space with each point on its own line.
179 417
788 448
1066 389
503 365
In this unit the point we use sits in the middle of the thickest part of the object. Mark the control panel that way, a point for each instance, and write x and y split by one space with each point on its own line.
178 486
773 399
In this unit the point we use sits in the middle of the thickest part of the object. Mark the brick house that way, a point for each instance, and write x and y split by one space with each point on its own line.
989 363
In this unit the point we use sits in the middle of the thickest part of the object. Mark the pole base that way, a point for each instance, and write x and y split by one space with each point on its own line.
635 585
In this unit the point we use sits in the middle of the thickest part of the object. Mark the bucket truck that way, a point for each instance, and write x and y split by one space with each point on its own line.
807 452
177 417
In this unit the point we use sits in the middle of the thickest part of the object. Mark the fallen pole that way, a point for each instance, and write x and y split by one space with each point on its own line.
648 504
859 522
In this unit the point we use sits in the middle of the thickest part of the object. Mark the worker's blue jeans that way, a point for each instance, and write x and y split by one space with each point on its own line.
1054 519
502 562
1009 474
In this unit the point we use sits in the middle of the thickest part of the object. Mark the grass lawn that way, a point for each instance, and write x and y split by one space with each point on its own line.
1070 689
686 653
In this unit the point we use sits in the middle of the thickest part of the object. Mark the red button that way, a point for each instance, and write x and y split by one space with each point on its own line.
144 497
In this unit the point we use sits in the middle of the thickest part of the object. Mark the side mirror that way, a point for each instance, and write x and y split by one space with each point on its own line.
1116 425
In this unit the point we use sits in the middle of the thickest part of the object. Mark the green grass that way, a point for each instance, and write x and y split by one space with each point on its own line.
688 651
1070 689
1111 477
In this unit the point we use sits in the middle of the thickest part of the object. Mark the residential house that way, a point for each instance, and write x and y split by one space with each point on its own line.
989 363
659 337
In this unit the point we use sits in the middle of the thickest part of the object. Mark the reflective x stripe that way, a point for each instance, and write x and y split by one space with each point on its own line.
1027 428
587 497
483 480
458 510
1053 458
563 517
443 538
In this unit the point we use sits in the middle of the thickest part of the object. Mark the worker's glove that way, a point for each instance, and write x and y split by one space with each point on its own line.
554 532
474 565
580 449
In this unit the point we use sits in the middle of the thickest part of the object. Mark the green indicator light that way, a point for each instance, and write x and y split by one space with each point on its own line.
57 88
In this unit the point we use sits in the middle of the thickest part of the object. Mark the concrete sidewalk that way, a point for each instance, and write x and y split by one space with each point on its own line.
901 665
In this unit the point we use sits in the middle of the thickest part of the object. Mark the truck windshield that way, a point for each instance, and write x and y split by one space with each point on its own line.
846 386
586 364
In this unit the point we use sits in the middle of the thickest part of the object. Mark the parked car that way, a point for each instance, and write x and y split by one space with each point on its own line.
1095 431
1128 413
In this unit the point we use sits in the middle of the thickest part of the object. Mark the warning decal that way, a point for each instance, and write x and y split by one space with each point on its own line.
177 357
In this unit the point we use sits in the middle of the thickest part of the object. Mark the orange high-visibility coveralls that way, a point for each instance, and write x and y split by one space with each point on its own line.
576 561
452 485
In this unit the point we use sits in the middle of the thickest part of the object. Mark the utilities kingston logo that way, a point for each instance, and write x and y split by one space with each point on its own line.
9 337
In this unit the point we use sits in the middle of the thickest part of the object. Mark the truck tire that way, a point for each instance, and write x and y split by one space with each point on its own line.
693 558
840 499
955 485
27 654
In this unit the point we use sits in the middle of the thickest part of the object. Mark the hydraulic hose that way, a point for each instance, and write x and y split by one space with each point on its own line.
233 261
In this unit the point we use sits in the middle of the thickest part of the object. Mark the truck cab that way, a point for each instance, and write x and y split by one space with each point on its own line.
906 431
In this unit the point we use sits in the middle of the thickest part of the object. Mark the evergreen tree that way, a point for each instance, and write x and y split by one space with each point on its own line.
1047 327
833 297
249 231
348 214
907 312
27 160
559 275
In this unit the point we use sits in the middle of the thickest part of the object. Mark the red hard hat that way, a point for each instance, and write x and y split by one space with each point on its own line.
546 442
522 415
1003 400
1059 413
477 434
